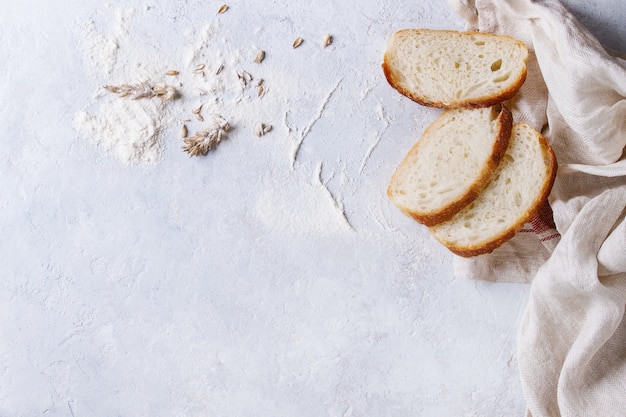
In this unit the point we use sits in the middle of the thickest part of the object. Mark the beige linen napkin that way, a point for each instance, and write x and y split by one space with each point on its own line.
572 339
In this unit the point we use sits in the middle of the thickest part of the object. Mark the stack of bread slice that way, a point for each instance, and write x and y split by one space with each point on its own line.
474 177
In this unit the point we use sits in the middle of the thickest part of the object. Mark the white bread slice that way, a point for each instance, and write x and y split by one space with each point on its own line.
520 185
451 163
445 68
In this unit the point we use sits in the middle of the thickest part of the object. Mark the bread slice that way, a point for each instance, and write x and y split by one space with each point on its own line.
444 68
520 185
452 162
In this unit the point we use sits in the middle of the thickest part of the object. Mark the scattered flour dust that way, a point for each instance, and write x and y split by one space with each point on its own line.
133 130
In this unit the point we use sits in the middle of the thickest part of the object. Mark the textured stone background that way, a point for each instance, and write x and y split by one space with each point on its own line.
238 284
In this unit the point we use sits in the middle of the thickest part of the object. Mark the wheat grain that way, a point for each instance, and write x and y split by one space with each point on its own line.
261 129
260 56
244 78
199 70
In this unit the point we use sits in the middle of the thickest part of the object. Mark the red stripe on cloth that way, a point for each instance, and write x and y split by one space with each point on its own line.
552 236
546 216
543 220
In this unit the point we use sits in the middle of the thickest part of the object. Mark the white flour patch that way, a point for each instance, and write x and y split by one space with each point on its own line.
130 129
99 52
299 210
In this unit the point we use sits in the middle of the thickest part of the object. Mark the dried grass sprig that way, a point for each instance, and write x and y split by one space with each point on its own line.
143 90
204 140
